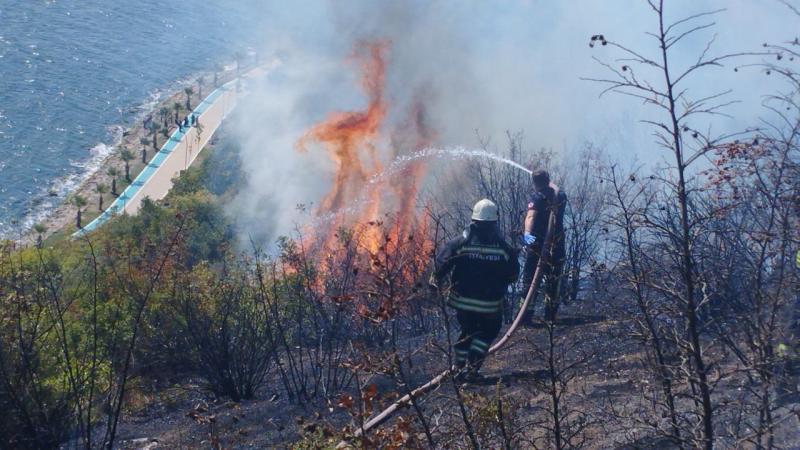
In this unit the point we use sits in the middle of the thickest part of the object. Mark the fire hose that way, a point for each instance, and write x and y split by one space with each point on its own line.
435 381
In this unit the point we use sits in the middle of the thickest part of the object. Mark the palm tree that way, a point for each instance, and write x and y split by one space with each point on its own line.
127 156
188 91
101 189
154 127
217 69
40 229
238 57
79 202
164 111
144 142
177 107
114 174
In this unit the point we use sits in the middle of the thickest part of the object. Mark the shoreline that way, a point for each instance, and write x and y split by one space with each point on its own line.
188 139
60 219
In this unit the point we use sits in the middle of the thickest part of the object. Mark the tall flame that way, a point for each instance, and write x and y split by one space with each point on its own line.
346 135
411 135
352 140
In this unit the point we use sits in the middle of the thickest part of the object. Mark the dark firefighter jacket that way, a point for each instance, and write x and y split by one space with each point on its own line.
543 202
482 265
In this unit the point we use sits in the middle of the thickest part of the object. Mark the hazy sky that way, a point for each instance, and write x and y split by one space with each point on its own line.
489 66
516 64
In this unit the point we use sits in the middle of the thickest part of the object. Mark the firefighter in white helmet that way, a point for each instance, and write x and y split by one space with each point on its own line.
481 265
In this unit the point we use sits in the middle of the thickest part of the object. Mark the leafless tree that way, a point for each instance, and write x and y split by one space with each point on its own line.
625 218
587 198
651 76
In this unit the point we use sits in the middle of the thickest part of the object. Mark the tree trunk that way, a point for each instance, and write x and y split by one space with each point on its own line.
114 186
78 219
687 262
574 283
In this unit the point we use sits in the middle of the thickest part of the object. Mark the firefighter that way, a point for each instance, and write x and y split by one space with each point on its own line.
789 352
481 265
546 197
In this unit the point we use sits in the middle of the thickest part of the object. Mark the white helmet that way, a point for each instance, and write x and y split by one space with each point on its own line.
485 211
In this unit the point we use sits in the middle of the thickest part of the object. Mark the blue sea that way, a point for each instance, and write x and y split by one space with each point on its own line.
75 73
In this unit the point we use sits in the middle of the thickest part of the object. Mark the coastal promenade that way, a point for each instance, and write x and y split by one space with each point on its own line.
177 153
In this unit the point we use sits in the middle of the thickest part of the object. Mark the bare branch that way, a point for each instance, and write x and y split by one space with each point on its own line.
672 41
692 17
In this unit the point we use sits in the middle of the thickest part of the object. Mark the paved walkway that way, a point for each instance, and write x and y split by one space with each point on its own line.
177 154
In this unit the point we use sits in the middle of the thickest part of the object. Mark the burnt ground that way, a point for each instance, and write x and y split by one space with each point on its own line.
605 398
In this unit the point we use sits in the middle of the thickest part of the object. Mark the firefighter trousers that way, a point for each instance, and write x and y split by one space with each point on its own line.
478 331
551 279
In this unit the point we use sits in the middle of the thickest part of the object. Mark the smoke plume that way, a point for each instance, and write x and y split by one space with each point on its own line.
398 76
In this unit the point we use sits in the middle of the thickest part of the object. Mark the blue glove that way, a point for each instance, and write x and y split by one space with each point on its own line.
528 239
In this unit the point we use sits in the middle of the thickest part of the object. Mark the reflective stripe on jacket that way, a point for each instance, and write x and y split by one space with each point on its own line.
481 266
475 304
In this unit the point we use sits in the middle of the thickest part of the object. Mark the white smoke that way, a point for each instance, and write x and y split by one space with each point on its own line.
267 125
481 68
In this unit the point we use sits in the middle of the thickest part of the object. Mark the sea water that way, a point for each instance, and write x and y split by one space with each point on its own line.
75 73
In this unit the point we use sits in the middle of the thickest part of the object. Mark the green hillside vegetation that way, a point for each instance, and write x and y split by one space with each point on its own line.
679 325
77 315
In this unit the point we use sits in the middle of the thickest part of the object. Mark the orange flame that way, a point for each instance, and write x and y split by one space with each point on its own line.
346 135
413 134
352 140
